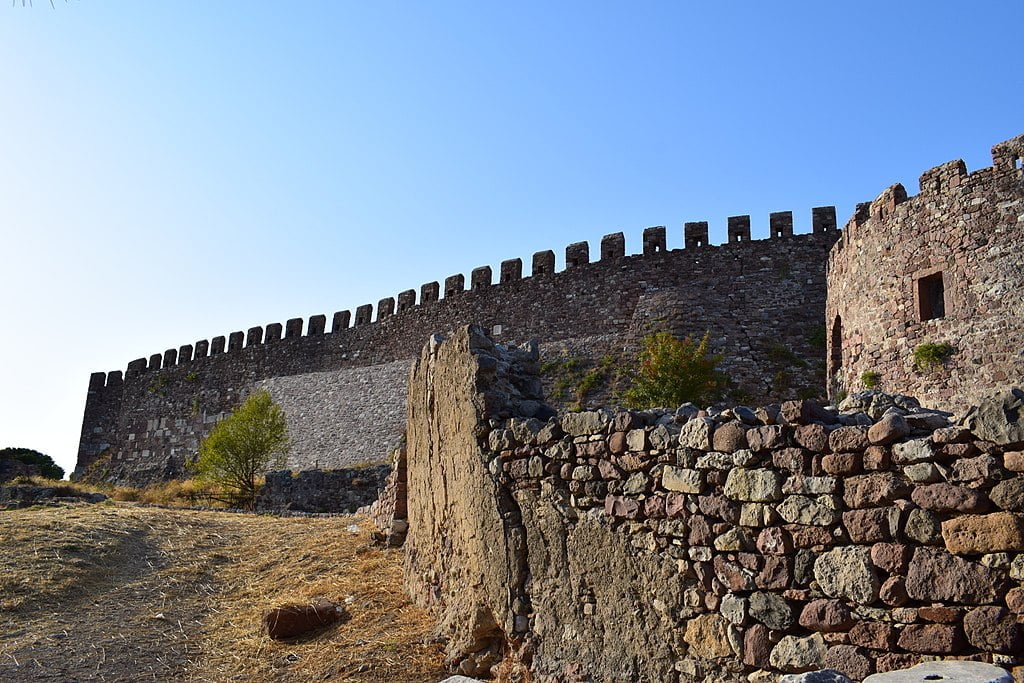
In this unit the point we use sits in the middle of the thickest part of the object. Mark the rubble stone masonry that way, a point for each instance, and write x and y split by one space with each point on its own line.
689 545
945 267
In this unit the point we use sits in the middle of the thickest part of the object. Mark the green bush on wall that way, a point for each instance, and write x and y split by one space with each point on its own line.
673 371
929 356
870 379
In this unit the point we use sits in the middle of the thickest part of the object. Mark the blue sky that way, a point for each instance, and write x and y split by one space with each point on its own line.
174 171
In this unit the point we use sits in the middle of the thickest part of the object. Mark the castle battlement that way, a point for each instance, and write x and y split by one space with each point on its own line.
612 248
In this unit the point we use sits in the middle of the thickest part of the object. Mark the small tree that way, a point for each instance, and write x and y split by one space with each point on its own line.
674 371
47 467
241 447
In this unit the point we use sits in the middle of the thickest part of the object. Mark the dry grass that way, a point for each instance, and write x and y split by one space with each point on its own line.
181 594
177 492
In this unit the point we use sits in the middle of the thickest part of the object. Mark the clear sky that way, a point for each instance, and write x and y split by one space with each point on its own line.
173 171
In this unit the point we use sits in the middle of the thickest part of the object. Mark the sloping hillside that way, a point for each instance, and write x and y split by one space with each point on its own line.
118 592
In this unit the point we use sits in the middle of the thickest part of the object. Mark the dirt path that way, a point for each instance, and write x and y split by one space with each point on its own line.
118 593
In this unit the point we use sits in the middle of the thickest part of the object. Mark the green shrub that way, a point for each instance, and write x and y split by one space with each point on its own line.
870 379
241 447
928 356
674 371
47 467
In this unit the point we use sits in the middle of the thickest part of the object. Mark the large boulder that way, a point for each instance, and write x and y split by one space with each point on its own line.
999 417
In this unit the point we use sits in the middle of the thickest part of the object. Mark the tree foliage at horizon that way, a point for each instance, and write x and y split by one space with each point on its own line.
47 467
242 446
674 371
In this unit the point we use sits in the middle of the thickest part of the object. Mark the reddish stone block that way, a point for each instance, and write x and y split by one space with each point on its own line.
894 661
774 540
877 458
757 646
617 443
873 490
932 639
732 575
808 536
994 629
850 660
794 460
654 507
812 437
730 437
893 592
939 614
719 507
875 635
841 464
776 574
826 615
291 621
766 438
848 440
892 557
1015 600
950 498
675 505
870 525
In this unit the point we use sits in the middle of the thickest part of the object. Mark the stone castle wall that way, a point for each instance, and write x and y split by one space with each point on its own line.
943 267
141 425
685 546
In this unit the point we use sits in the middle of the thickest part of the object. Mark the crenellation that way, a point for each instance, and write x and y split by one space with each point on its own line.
823 219
613 246
135 367
340 322
97 381
543 263
273 332
406 300
254 336
155 361
430 293
739 229
185 354
317 325
454 285
654 240
170 358
114 379
577 254
511 270
293 328
217 345
885 204
236 340
202 349
943 178
695 234
780 224
480 278
385 308
1009 154
364 314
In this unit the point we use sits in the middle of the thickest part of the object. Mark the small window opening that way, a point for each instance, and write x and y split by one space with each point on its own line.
931 297
836 357
1018 163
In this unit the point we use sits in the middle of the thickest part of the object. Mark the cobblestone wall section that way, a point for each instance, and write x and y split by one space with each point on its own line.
341 490
944 267
717 546
147 423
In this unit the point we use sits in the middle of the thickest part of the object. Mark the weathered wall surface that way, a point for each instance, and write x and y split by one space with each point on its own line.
709 547
148 420
963 231
342 490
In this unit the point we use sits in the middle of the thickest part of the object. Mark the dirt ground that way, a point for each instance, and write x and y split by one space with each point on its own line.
118 592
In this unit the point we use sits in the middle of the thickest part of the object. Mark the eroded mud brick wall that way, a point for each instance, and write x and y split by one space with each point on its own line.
682 546
943 267
342 381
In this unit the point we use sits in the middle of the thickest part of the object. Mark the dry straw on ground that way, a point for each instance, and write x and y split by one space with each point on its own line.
123 592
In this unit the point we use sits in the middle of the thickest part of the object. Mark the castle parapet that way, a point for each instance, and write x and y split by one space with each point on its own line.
273 332
363 314
154 361
780 224
1009 154
577 254
254 336
654 240
739 229
170 358
235 341
385 308
406 300
480 278
695 234
613 246
823 219
202 349
511 270
317 324
454 284
430 292
185 353
544 263
340 321
293 328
